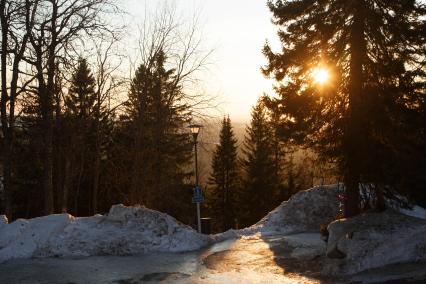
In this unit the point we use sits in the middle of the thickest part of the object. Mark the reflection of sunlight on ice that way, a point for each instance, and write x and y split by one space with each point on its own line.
248 259
248 276
225 245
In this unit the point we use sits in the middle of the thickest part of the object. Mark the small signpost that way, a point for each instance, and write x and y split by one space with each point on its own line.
198 193
197 198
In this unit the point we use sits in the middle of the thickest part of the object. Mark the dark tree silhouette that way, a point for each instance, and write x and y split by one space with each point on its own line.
75 133
224 178
374 51
162 149
260 182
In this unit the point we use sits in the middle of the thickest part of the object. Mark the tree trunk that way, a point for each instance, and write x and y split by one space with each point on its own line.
66 185
47 120
7 177
96 171
226 201
80 176
6 157
47 114
355 133
135 182
96 184
8 101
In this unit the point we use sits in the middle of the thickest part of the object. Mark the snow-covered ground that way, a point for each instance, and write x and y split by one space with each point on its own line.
374 240
284 247
416 211
303 212
124 231
250 259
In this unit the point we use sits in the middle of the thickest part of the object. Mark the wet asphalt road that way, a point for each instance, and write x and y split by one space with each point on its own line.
254 259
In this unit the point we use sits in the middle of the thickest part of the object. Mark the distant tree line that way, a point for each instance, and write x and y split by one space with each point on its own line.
244 187
76 135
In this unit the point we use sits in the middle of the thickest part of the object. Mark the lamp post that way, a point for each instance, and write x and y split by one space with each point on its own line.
195 129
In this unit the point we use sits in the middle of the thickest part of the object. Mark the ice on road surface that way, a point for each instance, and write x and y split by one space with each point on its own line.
254 259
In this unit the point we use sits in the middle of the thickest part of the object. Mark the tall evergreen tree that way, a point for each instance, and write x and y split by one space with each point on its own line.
283 174
81 97
73 130
374 51
161 150
260 181
224 178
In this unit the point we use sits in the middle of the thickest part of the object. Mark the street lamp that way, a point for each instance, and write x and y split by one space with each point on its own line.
195 129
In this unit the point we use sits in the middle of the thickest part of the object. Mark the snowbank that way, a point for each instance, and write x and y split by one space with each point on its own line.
124 231
374 240
303 212
416 211
3 220
25 238
305 246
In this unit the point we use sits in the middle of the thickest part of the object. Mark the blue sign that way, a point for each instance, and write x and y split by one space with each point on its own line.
198 195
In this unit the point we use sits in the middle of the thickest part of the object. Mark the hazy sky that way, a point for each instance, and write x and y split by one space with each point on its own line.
236 30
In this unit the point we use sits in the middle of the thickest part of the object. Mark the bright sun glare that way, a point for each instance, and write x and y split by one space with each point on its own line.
320 75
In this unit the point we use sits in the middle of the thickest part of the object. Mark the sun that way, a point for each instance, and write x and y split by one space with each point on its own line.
320 75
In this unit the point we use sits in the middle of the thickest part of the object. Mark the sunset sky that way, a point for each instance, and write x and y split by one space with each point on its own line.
237 31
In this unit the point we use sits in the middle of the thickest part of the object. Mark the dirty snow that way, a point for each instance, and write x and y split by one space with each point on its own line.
357 244
124 231
374 240
3 220
303 212
305 245
416 211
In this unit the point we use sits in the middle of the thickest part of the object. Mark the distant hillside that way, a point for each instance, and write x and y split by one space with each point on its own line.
306 164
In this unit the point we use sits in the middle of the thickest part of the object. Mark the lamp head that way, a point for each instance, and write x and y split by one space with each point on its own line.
195 129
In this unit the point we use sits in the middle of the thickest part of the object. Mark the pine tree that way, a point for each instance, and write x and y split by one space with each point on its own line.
161 151
75 142
224 178
376 89
282 167
260 181
81 96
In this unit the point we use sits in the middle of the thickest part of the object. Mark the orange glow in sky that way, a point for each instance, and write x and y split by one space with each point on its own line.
236 30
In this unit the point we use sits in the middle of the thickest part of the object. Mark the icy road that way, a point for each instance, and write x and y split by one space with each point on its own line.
250 259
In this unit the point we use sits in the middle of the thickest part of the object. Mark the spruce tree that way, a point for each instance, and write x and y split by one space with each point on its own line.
283 175
374 51
224 178
161 150
260 181
81 96
75 141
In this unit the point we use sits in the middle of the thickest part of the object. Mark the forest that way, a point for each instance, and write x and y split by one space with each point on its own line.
85 126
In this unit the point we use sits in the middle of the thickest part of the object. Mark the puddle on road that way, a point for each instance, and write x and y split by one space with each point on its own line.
159 277
222 246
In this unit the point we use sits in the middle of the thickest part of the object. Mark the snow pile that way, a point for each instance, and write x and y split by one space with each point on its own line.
374 240
416 211
3 220
124 231
305 246
304 211
24 238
